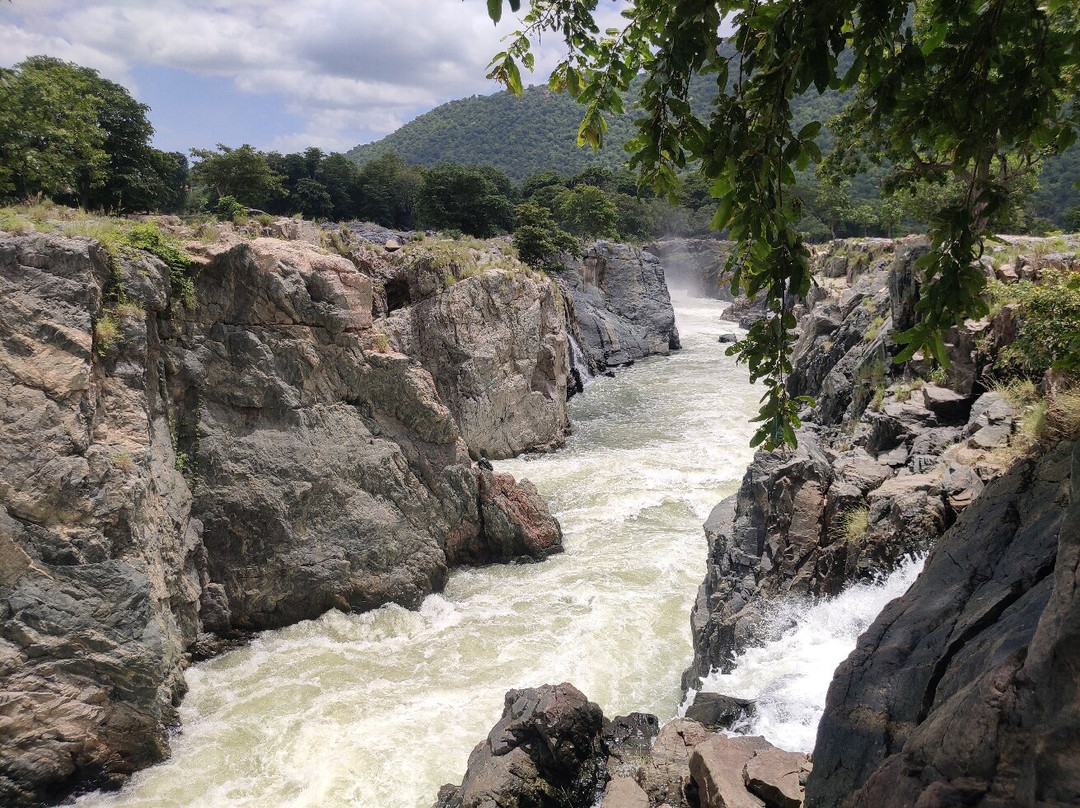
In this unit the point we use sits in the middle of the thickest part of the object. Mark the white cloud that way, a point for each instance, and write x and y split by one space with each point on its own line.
352 69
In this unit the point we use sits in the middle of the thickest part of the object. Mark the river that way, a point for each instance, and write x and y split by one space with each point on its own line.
378 710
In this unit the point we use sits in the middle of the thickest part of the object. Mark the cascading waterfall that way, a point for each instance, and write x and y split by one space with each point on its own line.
380 709
789 677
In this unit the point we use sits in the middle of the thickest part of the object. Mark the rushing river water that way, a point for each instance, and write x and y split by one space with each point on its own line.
380 709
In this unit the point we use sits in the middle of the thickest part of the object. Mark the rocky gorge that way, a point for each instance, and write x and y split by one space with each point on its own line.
265 431
963 691
301 438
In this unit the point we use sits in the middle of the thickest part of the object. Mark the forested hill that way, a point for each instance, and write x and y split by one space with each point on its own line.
520 135
537 131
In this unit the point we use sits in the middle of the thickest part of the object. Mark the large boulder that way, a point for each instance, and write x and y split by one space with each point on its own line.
496 346
619 305
963 691
545 752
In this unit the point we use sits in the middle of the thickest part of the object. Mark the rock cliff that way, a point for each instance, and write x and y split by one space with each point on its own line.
101 563
494 341
964 690
620 309
166 472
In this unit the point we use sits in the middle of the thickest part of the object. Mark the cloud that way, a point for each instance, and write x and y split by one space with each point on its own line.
353 70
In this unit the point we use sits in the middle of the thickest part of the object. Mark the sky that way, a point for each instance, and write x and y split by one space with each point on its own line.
280 75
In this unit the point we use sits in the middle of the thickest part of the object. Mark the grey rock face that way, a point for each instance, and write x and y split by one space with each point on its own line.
330 475
101 562
963 691
619 304
322 474
496 346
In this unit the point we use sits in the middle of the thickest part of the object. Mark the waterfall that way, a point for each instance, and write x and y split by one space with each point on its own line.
579 365
789 677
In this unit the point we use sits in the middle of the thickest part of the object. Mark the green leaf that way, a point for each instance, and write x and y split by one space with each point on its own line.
495 10
723 212
934 37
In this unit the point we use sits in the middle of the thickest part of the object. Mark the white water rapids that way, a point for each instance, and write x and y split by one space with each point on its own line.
378 710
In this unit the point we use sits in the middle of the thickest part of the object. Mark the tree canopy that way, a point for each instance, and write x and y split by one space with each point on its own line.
69 134
973 91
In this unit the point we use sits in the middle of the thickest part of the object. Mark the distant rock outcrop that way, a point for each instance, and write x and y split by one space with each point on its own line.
620 309
166 472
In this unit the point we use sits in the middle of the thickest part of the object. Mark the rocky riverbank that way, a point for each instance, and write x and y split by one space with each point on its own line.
174 471
960 692
283 422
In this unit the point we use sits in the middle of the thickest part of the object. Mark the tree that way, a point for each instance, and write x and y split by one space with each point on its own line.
476 201
70 134
971 90
586 211
538 240
243 173
312 199
50 139
387 191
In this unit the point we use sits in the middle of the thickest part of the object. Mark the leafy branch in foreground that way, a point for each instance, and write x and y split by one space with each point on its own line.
975 91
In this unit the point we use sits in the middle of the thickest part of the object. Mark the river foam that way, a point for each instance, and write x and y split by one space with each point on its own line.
789 677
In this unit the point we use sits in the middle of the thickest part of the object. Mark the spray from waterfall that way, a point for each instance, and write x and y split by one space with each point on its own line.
789 677
579 365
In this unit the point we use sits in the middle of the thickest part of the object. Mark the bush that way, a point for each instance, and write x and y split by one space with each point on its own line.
1049 314
228 209
147 236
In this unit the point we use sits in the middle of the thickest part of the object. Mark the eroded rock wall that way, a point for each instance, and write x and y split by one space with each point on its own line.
695 264
101 562
496 345
620 308
964 690
166 472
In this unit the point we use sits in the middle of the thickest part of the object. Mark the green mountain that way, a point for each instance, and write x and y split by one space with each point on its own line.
537 131
520 135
